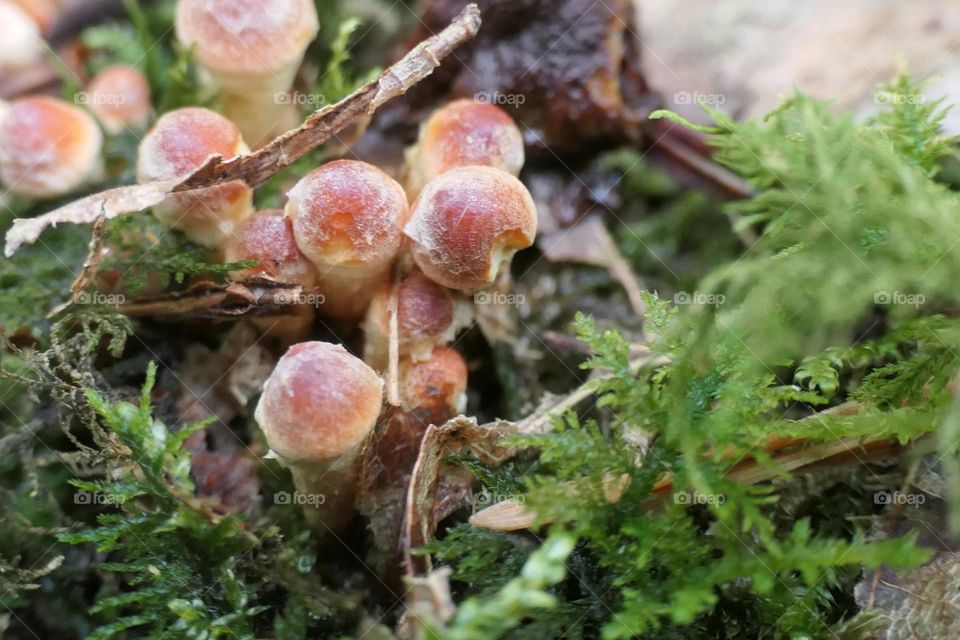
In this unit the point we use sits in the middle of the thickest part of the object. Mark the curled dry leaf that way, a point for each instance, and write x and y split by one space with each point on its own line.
257 167
436 490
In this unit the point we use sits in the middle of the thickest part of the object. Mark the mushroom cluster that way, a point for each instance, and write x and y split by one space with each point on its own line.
398 257
402 262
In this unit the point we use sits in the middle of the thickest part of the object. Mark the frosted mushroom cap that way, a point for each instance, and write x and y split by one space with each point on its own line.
436 385
182 140
247 37
319 403
20 40
424 309
120 97
42 12
467 223
426 316
179 143
267 236
466 133
347 214
48 147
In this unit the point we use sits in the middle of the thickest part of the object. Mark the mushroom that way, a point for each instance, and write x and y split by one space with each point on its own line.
464 133
42 12
435 387
120 98
432 391
180 142
20 41
48 147
267 236
317 410
250 51
426 317
468 223
347 218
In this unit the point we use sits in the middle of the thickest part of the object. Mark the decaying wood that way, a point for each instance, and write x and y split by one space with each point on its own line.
256 168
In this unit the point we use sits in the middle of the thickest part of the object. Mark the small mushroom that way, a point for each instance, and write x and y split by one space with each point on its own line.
267 236
180 142
426 317
20 41
120 98
317 410
468 223
48 147
460 134
347 218
250 51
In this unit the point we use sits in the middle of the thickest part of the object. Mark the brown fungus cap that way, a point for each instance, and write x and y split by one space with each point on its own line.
466 133
120 97
48 147
319 403
467 223
267 236
436 385
247 37
180 142
347 214
425 317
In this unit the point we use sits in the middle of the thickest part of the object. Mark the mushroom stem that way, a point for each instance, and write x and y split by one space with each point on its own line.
249 52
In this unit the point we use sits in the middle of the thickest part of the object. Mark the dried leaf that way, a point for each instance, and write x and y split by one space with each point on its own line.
427 487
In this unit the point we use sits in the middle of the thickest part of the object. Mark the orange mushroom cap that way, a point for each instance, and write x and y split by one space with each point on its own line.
180 142
467 133
467 223
120 97
425 317
267 236
319 403
347 213
48 147
247 37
